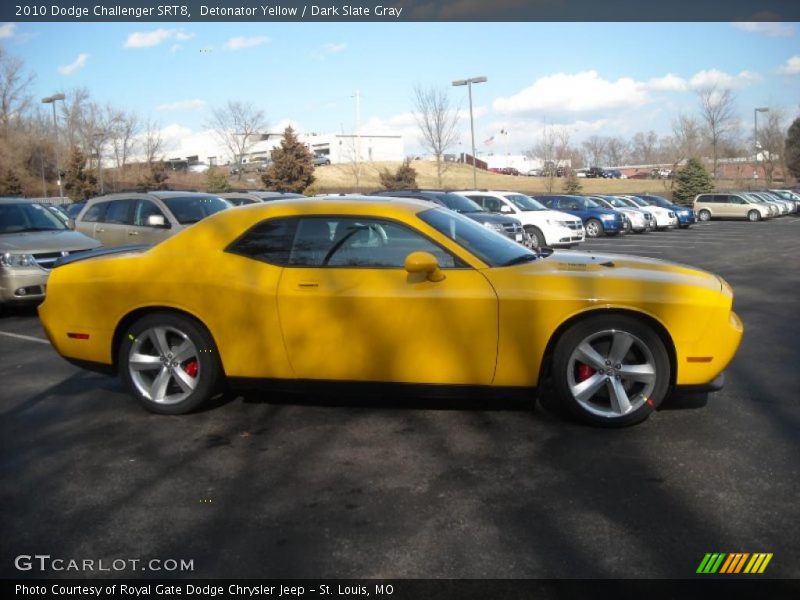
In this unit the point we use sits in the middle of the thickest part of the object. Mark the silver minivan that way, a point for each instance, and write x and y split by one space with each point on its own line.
144 218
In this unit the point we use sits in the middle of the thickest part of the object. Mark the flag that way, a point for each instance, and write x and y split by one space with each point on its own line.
489 141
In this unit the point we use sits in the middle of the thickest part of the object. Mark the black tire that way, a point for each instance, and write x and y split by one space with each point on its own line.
704 216
207 368
753 216
594 228
537 236
604 327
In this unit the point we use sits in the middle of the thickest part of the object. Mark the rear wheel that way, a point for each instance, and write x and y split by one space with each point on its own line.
754 216
594 228
704 215
169 363
611 370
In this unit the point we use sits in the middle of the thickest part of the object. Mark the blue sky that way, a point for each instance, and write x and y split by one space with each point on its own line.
598 78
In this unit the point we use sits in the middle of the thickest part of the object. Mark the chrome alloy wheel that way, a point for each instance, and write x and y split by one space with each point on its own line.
592 229
164 364
611 373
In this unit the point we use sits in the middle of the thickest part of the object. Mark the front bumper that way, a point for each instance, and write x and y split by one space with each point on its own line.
22 285
686 219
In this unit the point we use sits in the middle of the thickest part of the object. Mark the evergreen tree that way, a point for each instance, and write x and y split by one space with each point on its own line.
10 185
691 180
292 168
79 184
156 177
216 181
572 184
403 178
792 149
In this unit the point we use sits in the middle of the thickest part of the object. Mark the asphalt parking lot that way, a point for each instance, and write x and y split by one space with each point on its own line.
299 486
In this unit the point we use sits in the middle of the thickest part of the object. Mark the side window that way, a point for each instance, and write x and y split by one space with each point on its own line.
145 209
269 241
96 212
735 200
491 204
569 204
119 211
354 242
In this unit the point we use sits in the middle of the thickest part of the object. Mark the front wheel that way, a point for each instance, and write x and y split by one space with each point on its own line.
594 228
169 363
536 236
611 370
704 215
753 216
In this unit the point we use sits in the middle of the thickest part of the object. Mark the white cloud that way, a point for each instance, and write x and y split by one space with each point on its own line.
149 39
75 65
241 42
182 105
175 48
667 83
714 77
768 28
7 30
328 49
792 66
579 92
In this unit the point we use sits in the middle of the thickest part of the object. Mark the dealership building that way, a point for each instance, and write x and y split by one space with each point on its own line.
338 147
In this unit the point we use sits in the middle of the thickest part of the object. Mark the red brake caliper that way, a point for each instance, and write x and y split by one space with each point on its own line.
584 372
191 368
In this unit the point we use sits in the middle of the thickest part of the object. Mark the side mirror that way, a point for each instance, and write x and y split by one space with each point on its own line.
505 208
156 221
424 262
71 223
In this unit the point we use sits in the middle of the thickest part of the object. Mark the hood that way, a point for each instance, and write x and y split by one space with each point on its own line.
36 242
487 217
558 215
622 266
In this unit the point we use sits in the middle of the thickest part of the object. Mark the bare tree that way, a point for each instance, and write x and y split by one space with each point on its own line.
685 142
153 142
14 90
718 112
771 142
72 116
237 125
123 137
643 147
437 120
617 151
595 148
553 150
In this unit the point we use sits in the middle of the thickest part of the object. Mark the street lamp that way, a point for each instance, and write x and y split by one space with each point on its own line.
468 83
763 109
52 100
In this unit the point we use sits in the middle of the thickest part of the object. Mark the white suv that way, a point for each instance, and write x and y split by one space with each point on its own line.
546 227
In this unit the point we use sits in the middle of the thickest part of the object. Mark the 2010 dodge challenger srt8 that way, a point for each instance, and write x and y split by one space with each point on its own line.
389 290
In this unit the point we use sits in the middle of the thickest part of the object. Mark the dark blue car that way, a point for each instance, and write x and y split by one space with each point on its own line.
597 220
685 214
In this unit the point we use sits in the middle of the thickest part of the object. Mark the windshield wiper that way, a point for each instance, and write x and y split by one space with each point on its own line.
522 258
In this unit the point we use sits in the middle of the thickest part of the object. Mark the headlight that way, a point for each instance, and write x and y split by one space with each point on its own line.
494 226
11 260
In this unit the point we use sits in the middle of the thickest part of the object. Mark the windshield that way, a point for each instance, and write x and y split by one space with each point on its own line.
639 202
191 209
22 217
603 202
592 204
616 202
459 203
525 203
494 249
658 201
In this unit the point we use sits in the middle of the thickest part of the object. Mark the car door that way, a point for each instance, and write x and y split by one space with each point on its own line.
350 311
111 231
139 232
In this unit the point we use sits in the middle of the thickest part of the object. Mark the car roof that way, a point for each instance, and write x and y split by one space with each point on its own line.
161 194
11 200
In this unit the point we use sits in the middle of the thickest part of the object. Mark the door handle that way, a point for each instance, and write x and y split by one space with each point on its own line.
133 233
308 284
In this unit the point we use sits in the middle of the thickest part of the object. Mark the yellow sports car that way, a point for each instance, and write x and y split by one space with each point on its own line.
360 289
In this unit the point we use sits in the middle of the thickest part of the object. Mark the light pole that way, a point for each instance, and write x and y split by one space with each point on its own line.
52 100
468 83
763 109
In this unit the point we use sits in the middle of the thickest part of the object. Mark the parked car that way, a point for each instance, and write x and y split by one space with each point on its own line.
685 214
640 221
144 218
785 206
789 195
597 220
244 197
774 207
31 239
730 206
321 159
614 174
595 172
389 292
504 224
545 227
664 217
74 209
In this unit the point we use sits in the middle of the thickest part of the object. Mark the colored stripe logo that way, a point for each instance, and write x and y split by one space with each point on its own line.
734 563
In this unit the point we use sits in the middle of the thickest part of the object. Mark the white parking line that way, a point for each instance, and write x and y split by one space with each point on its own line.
29 338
